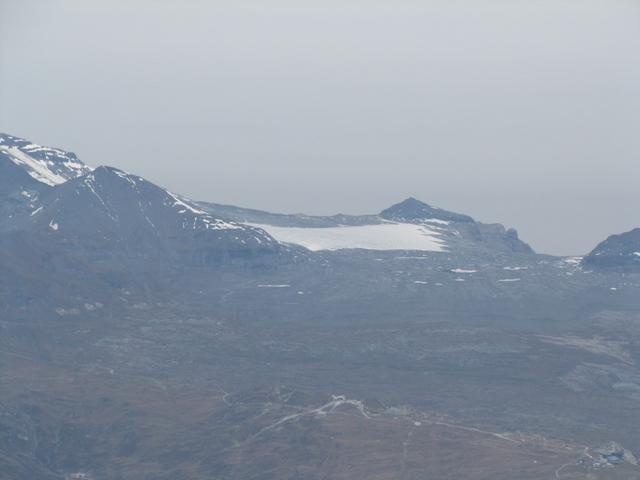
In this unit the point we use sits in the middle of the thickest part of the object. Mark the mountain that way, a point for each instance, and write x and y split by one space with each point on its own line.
617 252
408 225
50 191
110 207
67 227
103 232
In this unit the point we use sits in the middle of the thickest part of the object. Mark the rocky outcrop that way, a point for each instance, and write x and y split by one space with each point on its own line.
613 453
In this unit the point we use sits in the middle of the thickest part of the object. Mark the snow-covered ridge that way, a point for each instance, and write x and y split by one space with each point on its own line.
386 236
50 166
37 169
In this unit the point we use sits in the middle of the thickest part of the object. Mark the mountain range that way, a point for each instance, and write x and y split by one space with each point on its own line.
103 228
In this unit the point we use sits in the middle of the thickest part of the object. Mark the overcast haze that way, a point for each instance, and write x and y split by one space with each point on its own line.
524 112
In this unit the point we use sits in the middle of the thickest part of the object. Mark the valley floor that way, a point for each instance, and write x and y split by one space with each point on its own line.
159 394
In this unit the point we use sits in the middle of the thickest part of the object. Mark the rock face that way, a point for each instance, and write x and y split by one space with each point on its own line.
618 252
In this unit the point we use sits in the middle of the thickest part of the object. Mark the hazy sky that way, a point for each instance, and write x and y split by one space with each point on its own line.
523 112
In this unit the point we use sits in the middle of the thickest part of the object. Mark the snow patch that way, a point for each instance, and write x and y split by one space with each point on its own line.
177 202
573 260
36 168
438 221
387 236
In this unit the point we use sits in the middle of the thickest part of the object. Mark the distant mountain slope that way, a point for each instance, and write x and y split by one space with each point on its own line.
47 192
250 215
110 206
408 225
620 252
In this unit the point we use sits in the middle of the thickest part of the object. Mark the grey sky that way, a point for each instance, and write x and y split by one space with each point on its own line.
521 112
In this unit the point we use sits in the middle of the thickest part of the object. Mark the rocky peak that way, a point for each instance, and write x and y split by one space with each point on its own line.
413 210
